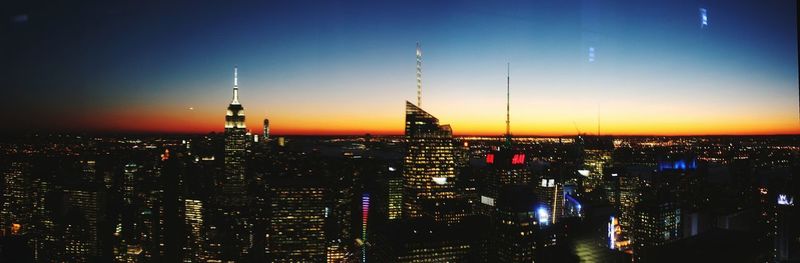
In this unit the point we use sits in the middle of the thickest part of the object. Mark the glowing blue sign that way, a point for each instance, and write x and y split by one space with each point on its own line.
614 230
611 236
571 200
785 200
680 164
543 216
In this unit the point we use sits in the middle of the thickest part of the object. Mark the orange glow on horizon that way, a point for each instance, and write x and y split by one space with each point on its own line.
145 124
466 122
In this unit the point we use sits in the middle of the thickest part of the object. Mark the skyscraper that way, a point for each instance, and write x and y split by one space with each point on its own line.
233 201
550 191
266 129
193 219
657 222
597 155
395 196
296 227
507 166
80 236
629 196
519 217
16 197
235 139
429 164
172 231
129 182
429 173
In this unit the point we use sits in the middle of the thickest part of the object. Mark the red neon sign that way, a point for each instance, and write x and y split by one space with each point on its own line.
518 158
490 158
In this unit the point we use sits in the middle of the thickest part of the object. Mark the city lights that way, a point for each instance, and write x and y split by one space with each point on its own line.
518 158
487 200
364 220
785 200
440 180
631 135
543 216
613 227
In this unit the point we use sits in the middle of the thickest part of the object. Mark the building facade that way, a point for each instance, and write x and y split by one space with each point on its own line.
429 166
235 142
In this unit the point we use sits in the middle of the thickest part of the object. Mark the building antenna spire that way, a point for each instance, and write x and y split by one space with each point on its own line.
508 104
419 75
598 119
235 85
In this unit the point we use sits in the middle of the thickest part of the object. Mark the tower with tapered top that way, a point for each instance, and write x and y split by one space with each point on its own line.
235 139
234 198
429 164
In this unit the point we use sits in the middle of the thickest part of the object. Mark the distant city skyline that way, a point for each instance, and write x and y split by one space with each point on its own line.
332 68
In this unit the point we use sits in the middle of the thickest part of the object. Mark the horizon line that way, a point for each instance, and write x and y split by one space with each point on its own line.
378 134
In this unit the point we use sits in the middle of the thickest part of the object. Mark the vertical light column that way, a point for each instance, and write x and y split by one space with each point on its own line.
364 218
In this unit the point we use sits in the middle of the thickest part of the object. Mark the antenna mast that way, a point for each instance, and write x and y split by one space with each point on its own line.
419 76
235 85
508 104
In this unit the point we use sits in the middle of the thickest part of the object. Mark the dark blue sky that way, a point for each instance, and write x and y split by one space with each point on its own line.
334 66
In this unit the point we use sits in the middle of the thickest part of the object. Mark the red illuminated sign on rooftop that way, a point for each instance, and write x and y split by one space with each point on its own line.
518 158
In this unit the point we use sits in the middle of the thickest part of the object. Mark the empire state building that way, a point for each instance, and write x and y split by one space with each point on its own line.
235 137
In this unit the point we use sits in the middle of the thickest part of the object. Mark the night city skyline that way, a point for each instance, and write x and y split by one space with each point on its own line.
574 131
345 67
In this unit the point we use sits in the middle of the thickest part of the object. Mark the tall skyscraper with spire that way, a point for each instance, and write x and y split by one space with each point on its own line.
234 199
266 129
507 165
429 163
235 140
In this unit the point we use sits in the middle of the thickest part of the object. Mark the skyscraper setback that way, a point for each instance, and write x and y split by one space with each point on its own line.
266 129
429 164
234 198
429 172
235 139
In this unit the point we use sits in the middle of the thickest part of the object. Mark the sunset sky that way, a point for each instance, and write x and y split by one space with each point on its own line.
336 67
